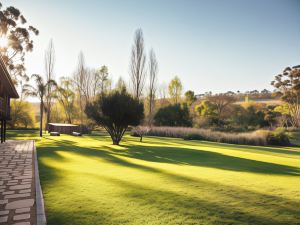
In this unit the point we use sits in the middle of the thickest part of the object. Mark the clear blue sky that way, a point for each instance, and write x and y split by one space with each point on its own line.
211 45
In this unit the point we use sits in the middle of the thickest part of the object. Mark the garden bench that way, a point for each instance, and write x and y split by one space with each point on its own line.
54 134
76 133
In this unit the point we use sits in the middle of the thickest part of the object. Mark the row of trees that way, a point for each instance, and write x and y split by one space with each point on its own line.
73 99
224 111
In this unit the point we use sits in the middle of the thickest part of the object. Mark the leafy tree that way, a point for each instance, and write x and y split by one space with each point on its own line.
66 97
40 91
22 115
230 93
58 112
221 102
175 89
288 85
121 85
254 92
18 35
190 97
248 116
284 114
173 115
255 117
208 110
270 115
115 112
265 91
238 116
103 79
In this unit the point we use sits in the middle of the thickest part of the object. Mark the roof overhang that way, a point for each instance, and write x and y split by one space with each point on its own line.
9 85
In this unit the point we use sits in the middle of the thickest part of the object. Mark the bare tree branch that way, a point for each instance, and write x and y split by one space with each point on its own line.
137 64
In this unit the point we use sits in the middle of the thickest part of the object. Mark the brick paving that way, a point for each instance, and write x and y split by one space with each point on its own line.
17 184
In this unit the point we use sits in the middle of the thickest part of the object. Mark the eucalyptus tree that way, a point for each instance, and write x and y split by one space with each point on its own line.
39 90
288 85
16 39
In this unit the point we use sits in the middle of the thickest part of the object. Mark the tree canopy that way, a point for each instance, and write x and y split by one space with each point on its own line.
175 89
288 85
173 115
190 97
115 112
18 38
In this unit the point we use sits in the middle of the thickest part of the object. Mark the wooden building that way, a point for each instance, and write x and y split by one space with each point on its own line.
63 128
7 91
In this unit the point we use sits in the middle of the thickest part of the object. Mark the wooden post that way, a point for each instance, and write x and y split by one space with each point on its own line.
1 131
4 133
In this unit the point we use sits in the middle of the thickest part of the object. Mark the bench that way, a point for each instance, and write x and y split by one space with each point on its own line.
54 134
76 134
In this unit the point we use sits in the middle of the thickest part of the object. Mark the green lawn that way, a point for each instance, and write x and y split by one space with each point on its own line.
88 181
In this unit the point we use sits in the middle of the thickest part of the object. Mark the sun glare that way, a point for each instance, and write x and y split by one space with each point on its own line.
3 42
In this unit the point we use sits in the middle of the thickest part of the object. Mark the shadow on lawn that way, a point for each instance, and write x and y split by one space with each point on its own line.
176 155
231 209
293 151
236 206
206 159
78 216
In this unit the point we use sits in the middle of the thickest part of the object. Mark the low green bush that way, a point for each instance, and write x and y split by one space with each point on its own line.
193 137
278 137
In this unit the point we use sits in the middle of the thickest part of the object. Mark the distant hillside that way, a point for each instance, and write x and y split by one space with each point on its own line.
265 101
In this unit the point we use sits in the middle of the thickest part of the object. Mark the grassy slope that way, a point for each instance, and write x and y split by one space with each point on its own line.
86 180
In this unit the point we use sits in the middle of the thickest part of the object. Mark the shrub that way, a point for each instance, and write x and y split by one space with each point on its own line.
278 137
173 115
140 131
115 112
193 137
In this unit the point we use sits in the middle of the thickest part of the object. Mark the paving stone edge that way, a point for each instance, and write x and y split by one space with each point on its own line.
39 199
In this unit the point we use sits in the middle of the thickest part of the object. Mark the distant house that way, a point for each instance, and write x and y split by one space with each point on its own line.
7 91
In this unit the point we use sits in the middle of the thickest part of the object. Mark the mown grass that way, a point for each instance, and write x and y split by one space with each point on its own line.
86 180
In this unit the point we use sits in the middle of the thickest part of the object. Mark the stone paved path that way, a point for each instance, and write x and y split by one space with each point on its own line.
17 187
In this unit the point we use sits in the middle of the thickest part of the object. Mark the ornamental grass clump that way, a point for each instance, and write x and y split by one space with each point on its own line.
259 137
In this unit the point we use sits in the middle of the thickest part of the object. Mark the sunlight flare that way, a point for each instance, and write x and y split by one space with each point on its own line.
3 42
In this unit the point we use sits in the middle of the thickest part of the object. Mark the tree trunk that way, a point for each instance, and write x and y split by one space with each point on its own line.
116 141
41 118
141 138
47 119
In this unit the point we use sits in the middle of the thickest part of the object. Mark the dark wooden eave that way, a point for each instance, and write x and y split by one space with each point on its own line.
8 84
